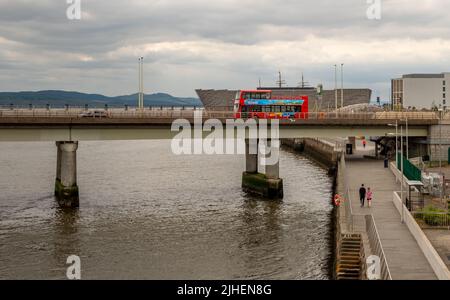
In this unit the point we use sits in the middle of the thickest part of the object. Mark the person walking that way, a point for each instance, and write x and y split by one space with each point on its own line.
364 144
362 194
369 197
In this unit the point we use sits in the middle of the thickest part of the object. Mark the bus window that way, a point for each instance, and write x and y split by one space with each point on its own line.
244 108
283 108
256 96
256 108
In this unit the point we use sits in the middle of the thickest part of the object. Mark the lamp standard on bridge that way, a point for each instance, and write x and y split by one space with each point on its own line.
335 88
141 84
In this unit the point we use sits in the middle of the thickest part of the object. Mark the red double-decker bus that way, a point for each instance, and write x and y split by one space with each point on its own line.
261 104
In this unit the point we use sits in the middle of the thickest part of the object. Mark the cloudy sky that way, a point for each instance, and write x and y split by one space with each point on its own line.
189 44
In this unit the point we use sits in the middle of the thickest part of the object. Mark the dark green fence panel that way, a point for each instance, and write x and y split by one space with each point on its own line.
409 170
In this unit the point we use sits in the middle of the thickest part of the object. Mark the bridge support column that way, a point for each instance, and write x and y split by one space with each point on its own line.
58 165
66 189
268 185
275 183
251 155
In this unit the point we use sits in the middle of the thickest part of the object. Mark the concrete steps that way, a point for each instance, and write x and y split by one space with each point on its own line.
349 265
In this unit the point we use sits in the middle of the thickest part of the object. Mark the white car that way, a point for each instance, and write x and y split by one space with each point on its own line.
94 114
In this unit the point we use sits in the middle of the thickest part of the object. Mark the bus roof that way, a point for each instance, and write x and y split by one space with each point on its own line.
256 91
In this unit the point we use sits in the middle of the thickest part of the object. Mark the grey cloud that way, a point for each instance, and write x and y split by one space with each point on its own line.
47 44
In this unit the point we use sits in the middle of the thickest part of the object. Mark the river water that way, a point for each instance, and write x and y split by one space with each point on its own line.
148 214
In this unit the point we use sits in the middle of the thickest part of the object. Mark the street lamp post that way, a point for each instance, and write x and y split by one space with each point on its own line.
335 88
342 85
440 147
402 170
407 140
440 152
396 142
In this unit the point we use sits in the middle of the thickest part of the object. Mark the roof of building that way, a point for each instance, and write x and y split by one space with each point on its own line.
441 75
362 107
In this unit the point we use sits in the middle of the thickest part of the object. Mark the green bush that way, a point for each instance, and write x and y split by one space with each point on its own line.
433 216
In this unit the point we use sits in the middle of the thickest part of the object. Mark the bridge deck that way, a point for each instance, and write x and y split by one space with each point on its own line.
59 125
122 117
403 255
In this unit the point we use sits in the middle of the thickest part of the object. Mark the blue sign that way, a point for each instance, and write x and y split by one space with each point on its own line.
273 102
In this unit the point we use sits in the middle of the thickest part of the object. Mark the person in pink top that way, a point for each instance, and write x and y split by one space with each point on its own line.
369 197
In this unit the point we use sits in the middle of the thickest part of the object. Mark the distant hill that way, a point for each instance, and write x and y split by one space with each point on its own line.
61 98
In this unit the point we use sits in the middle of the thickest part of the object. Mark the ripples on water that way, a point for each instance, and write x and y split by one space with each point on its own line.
147 214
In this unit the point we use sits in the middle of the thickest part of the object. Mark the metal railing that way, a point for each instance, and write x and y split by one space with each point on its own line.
433 219
347 202
376 247
73 113
164 112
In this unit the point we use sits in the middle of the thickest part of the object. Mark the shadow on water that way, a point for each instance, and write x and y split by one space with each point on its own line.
332 173
66 237
262 226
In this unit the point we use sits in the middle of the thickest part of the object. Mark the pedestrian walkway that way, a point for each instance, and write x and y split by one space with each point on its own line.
403 255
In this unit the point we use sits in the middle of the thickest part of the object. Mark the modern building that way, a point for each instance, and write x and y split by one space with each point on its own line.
420 91
224 99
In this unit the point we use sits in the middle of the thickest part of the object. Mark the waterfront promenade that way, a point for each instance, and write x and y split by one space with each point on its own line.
403 255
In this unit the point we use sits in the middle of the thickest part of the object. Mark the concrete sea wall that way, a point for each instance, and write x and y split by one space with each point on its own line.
322 151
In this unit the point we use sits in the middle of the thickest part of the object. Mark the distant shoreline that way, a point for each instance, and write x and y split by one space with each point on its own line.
59 99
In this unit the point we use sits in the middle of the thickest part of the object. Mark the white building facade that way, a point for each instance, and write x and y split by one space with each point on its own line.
421 91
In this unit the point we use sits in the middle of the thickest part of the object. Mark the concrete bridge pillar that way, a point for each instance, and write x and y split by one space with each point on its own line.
268 185
58 164
66 189
352 140
251 155
273 170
